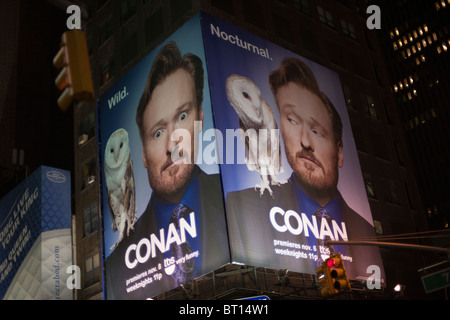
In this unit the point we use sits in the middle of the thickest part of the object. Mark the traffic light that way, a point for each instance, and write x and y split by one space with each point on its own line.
324 280
332 276
338 273
74 79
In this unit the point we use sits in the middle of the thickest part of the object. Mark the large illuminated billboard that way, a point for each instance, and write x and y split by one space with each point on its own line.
220 147
151 244
35 237
299 181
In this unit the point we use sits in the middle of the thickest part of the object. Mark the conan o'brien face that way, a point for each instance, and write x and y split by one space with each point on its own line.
172 106
311 148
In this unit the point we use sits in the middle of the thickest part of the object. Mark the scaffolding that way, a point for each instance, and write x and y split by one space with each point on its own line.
234 282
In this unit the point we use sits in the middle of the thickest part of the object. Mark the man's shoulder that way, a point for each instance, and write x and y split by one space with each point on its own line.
253 196
276 191
209 182
356 220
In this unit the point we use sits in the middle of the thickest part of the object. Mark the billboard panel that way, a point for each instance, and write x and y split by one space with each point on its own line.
290 170
271 140
35 236
151 244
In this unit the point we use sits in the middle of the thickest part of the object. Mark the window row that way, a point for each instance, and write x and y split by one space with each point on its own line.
386 189
366 102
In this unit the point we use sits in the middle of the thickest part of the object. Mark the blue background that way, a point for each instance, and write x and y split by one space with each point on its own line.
225 58
189 40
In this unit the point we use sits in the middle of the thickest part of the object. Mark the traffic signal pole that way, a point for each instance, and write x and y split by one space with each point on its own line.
389 244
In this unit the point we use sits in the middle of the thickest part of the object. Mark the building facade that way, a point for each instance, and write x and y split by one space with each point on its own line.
331 33
416 39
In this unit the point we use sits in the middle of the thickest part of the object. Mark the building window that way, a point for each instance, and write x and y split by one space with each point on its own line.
348 97
336 55
391 191
408 196
179 8
369 186
226 6
100 3
89 173
348 29
90 219
310 41
105 30
379 146
106 73
378 227
154 26
92 264
325 16
359 138
87 129
302 6
369 106
283 27
360 65
129 49
253 13
127 10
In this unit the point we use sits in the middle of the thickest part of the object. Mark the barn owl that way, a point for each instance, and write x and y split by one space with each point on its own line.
263 150
120 183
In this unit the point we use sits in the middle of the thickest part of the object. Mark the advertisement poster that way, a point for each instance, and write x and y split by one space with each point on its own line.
296 180
35 237
162 201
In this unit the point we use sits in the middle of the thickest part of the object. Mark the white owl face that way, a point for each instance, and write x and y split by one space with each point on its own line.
117 152
245 97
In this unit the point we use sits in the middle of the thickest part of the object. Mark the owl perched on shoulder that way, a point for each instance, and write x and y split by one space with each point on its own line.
263 150
120 187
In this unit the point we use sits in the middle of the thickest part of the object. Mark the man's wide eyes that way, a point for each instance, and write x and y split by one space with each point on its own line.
157 133
183 116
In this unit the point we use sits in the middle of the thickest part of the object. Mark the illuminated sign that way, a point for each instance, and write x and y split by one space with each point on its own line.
35 237
285 198
205 130
151 244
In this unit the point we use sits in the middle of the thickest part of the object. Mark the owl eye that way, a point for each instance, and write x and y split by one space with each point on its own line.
112 150
246 96
121 145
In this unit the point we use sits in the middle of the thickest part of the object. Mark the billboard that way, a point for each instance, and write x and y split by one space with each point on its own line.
290 170
259 149
151 244
35 237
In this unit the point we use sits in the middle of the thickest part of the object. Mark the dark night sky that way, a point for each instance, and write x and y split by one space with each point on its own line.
42 130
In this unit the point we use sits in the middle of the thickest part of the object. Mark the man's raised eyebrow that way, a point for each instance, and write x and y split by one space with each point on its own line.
287 107
163 122
183 107
160 123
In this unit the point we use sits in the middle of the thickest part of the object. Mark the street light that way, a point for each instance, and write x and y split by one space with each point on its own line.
399 287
